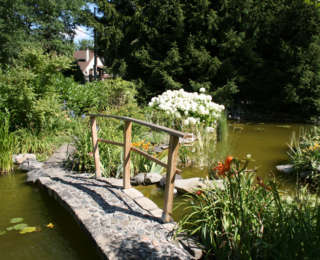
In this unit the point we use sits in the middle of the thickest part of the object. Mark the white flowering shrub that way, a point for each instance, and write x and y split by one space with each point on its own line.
191 108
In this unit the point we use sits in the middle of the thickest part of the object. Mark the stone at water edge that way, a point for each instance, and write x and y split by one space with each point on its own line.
20 158
29 165
139 179
286 168
193 184
152 177
162 182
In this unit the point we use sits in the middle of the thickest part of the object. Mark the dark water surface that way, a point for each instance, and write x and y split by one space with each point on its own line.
266 142
65 241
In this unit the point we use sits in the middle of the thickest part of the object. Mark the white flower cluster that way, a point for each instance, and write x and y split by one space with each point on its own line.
192 108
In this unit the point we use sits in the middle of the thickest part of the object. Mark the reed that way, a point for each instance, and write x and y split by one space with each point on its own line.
250 219
7 142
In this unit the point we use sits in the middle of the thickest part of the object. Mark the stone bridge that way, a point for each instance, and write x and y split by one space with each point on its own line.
123 223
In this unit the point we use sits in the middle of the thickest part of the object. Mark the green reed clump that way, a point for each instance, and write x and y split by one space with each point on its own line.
41 144
250 219
304 153
110 155
7 143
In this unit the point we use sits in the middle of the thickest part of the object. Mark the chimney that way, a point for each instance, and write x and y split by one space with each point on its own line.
87 55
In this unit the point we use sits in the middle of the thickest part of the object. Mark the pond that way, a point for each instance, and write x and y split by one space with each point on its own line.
266 142
65 240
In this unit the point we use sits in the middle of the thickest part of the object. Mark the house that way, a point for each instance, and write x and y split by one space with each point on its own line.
85 60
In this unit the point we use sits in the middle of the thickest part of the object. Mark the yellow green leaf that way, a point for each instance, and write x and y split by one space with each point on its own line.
28 230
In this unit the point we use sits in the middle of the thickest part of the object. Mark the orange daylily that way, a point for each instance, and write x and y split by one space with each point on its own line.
222 168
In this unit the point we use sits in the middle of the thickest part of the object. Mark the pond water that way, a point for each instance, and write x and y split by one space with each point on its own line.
266 142
64 241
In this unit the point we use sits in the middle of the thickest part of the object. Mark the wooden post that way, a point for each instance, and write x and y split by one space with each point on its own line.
95 146
126 154
171 170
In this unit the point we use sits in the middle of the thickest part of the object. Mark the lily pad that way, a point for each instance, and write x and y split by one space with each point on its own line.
28 230
16 220
9 228
20 226
3 232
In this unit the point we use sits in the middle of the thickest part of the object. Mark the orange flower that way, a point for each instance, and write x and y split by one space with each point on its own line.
222 168
227 163
219 168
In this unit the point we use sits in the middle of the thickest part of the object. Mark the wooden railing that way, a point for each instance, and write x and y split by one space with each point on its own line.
171 165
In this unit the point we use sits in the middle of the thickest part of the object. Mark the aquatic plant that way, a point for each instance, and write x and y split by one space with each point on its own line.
304 153
21 227
7 142
251 219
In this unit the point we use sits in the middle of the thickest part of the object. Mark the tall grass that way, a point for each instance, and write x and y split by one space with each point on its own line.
250 219
7 143
110 155
43 144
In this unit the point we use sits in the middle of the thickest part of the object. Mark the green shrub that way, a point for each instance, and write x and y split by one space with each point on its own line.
28 90
249 219
7 143
304 153
98 95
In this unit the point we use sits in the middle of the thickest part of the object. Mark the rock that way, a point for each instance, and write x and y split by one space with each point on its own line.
138 179
305 174
286 168
20 158
29 165
157 149
162 182
152 177
34 175
191 245
192 184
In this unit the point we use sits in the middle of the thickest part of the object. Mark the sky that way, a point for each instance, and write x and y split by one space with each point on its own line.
84 33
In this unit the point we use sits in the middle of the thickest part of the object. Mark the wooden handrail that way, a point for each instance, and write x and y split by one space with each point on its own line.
127 148
140 122
137 150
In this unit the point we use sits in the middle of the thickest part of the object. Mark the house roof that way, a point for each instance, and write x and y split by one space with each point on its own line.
80 56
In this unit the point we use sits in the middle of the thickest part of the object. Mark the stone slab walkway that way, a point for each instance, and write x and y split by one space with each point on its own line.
123 223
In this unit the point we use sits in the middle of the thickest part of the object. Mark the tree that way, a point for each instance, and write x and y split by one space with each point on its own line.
261 52
85 44
49 23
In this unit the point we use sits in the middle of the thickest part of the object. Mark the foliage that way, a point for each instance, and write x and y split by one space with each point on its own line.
42 144
143 164
7 144
48 24
98 95
85 44
110 155
28 91
249 219
304 153
264 53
